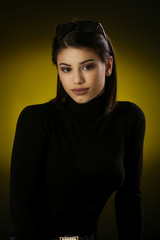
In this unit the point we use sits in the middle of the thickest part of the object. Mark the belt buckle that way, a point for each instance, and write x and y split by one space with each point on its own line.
69 238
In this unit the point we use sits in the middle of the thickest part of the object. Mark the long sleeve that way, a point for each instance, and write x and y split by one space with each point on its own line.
26 179
128 199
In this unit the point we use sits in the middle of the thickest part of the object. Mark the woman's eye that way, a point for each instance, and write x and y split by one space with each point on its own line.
65 70
87 67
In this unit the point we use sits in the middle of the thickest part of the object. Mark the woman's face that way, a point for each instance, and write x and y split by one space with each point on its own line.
82 73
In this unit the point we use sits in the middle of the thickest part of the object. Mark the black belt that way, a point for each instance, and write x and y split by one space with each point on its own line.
75 237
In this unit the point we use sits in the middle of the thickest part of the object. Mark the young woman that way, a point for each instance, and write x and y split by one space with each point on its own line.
72 152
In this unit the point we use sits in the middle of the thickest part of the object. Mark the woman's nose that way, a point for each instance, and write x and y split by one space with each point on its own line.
78 77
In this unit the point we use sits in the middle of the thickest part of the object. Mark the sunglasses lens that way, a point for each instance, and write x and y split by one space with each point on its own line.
64 28
90 27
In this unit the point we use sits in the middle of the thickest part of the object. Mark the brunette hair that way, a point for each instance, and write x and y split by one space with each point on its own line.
102 46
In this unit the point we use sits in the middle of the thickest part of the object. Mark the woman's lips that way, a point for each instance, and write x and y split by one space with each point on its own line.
80 91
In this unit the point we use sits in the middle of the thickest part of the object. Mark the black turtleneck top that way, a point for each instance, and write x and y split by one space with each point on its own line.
66 162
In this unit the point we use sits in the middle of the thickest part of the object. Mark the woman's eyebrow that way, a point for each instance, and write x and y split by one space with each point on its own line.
88 60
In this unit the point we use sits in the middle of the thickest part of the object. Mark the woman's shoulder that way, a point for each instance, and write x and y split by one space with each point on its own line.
131 109
39 111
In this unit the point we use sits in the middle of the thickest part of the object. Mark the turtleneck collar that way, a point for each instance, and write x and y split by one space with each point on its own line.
93 108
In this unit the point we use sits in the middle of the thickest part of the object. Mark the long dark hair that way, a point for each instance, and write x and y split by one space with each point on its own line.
101 45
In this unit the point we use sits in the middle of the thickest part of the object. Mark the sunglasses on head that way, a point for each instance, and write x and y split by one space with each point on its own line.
85 26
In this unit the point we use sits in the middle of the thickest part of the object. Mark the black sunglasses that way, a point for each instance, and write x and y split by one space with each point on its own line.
85 26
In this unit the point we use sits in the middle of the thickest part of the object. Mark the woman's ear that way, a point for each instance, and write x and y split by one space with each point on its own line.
109 66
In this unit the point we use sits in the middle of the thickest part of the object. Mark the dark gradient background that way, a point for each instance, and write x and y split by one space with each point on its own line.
27 76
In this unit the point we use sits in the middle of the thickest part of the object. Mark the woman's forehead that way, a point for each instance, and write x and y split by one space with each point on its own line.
77 55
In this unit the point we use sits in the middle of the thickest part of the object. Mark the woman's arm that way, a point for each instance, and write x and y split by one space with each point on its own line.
26 179
128 199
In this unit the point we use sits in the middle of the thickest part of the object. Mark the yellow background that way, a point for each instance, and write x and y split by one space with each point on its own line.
27 76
